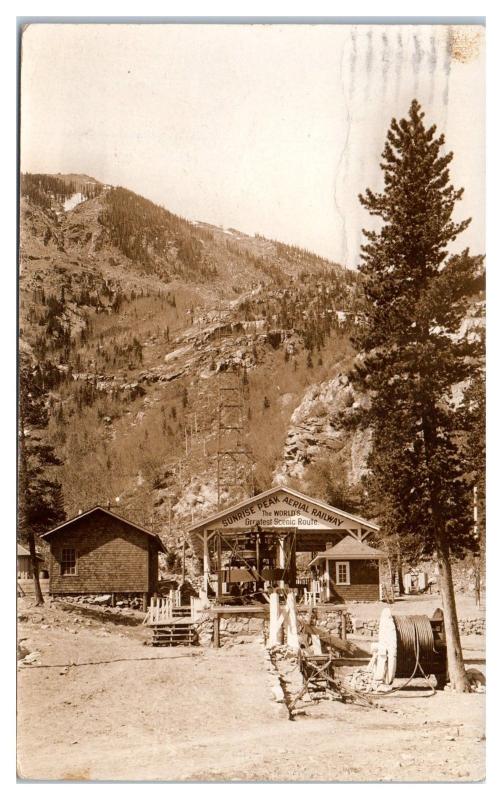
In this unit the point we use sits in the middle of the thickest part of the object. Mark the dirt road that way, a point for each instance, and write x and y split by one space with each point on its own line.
140 713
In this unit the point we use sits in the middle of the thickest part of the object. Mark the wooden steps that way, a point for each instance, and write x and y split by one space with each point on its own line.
172 623
180 611
177 631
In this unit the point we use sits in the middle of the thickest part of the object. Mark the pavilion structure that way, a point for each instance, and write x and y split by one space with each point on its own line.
257 540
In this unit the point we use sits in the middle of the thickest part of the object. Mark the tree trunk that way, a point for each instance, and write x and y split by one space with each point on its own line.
399 571
23 520
39 598
456 668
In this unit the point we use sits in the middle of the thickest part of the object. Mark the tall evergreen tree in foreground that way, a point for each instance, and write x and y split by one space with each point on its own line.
413 354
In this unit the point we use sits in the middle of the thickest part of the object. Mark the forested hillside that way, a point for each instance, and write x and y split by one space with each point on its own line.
130 315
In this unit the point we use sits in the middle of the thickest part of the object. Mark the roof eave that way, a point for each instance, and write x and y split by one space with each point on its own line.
347 557
111 514
205 523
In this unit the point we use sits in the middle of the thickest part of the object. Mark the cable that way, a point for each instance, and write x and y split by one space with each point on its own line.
414 633
415 646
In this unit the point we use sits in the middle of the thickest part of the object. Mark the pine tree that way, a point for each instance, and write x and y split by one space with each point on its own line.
412 354
40 500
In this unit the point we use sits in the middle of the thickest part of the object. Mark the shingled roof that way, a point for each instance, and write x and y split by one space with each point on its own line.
22 551
349 549
100 509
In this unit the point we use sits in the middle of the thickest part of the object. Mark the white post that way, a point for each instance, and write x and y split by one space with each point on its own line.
274 621
282 557
292 622
207 568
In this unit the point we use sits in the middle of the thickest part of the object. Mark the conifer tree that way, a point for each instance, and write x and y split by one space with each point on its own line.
413 354
40 497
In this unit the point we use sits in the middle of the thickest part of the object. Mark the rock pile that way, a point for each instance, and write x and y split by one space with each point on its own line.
30 658
469 626
477 681
360 680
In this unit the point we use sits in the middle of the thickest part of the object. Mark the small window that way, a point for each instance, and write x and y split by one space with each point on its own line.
68 561
343 573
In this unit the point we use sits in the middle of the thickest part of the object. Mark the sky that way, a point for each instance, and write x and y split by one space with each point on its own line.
270 129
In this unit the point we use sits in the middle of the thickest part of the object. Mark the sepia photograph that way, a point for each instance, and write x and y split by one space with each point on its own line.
251 401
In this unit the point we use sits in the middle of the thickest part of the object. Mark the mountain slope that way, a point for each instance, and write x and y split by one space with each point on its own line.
130 316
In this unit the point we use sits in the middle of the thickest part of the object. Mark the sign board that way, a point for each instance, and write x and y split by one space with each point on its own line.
284 511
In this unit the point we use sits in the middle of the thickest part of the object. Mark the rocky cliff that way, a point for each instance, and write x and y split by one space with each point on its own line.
133 317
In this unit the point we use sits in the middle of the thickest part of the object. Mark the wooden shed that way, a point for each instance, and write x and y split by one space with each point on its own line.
349 571
24 568
99 552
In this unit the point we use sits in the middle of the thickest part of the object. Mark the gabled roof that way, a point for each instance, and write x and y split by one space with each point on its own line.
349 549
94 510
23 551
214 518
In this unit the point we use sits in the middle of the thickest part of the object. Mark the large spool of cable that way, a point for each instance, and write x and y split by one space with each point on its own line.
406 648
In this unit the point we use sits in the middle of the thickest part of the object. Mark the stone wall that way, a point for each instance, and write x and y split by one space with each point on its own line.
232 627
369 627
122 600
330 620
472 626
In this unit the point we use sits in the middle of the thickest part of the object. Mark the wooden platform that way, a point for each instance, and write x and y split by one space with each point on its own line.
264 609
216 611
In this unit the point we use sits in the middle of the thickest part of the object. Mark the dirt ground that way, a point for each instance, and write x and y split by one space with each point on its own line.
123 710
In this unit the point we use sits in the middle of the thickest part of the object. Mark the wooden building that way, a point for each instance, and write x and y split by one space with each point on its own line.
99 552
350 570
24 568
255 543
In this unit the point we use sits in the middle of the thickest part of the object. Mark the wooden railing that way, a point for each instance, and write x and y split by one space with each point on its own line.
313 596
175 597
160 610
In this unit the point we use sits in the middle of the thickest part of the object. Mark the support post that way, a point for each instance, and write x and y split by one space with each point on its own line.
274 635
282 558
344 625
145 602
206 563
292 622
216 631
258 560
292 560
218 564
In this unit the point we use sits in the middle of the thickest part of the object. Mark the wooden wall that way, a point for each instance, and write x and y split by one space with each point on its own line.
24 569
364 582
111 557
